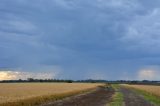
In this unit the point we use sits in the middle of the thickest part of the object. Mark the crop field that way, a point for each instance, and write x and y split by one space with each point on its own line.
155 90
14 92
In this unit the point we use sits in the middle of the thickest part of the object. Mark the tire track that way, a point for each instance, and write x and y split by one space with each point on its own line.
133 99
99 97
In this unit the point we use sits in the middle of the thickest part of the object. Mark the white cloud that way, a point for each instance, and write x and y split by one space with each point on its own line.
149 74
11 75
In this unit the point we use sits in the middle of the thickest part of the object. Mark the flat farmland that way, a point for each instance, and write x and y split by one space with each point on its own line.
155 90
29 92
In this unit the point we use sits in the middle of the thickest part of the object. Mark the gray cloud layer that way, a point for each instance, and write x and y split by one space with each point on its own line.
107 37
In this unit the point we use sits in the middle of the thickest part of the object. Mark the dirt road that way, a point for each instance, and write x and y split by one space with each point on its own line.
99 97
133 99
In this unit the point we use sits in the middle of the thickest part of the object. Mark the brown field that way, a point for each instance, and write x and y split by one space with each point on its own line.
155 90
12 93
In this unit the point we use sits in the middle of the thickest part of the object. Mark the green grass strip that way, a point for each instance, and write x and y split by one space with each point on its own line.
149 96
117 99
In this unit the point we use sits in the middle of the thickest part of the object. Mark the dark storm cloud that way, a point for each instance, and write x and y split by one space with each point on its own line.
106 37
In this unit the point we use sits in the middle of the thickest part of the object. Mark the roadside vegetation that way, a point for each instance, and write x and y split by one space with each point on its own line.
117 99
149 92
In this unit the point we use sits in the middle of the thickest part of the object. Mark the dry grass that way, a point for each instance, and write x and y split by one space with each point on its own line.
155 90
32 93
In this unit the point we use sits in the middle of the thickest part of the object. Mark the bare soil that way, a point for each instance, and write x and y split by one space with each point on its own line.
100 97
131 98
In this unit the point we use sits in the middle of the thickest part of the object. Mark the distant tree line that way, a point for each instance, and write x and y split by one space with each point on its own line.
84 81
37 80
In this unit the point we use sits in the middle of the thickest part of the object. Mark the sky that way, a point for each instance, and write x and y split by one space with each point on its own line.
80 39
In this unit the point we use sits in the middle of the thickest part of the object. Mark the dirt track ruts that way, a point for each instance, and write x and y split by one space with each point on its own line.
131 98
100 97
